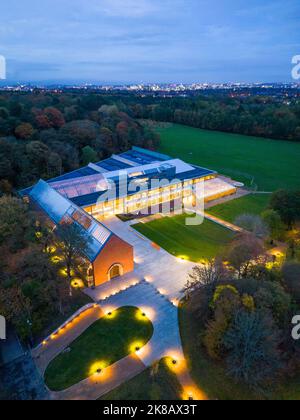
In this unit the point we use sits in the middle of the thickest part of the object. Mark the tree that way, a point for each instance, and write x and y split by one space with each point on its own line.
225 304
272 298
253 224
24 131
252 343
74 244
89 155
38 153
291 276
273 220
244 252
287 205
15 222
30 292
54 116
54 164
50 117
205 275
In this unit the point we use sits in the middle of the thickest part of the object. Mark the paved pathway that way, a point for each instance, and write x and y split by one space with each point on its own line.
163 314
47 351
221 222
100 384
240 193
166 272
166 340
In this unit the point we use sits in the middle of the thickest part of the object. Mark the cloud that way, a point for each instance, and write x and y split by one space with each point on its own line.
128 8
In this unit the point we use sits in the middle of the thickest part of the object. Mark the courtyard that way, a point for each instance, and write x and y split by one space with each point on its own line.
193 243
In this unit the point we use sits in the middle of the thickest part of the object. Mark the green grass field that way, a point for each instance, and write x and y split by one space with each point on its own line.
192 242
273 164
249 204
157 384
104 343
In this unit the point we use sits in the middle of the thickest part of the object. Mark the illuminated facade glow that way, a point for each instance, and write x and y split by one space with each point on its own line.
137 182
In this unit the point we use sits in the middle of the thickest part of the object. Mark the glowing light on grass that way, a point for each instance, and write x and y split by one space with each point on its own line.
176 364
63 272
110 312
77 284
183 259
136 347
51 249
192 393
56 259
145 314
38 235
98 368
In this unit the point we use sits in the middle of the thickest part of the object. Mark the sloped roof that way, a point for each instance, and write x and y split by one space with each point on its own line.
59 208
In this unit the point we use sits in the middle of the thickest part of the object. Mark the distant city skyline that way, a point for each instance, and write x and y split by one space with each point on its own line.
149 41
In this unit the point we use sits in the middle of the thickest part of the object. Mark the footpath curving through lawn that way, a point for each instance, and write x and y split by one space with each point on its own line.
107 341
156 383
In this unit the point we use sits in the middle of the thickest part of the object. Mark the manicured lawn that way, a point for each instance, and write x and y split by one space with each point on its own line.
250 204
152 384
273 164
191 242
212 377
104 343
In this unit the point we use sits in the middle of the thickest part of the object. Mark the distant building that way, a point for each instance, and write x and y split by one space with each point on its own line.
136 182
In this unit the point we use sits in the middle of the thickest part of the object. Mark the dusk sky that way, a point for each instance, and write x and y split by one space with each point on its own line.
150 40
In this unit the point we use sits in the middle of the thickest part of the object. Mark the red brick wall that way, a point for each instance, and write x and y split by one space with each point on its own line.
115 251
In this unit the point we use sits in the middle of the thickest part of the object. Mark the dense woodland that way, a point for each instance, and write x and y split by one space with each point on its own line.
255 115
240 305
43 135
243 303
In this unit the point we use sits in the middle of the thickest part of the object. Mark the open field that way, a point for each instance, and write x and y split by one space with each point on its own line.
250 204
190 242
157 383
104 343
273 164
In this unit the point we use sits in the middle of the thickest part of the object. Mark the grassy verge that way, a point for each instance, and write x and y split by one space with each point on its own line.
76 302
160 386
272 164
191 242
250 204
104 343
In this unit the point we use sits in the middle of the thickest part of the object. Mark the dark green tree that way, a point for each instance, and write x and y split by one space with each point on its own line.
252 343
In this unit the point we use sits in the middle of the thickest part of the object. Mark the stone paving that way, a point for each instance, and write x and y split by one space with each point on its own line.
46 352
99 385
163 314
166 272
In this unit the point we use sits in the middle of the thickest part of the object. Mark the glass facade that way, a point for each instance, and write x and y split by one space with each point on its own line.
145 199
